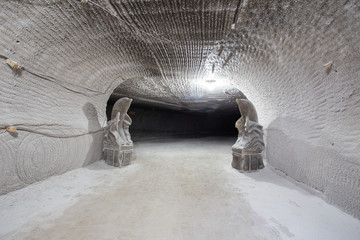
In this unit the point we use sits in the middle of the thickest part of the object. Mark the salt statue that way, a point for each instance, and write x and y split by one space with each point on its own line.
247 151
118 146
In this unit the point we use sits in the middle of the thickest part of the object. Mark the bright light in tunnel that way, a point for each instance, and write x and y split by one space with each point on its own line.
214 84
210 85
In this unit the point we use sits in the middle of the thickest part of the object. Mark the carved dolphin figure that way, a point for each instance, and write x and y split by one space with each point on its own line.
122 105
247 109
118 146
249 145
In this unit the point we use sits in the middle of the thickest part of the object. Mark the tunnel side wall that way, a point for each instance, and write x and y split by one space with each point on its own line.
55 97
302 73
57 130
333 175
310 112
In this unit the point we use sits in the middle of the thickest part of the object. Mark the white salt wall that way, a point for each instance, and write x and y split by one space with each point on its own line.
55 102
74 55
57 130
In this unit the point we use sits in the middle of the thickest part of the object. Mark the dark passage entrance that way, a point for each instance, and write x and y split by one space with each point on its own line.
151 121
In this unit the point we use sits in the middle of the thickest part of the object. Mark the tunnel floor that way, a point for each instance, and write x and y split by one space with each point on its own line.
174 189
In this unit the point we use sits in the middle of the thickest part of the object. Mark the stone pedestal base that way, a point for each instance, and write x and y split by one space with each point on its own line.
247 162
118 156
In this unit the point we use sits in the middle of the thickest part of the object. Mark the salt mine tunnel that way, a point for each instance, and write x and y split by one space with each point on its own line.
64 64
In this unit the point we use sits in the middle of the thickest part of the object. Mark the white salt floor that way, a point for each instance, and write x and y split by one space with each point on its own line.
177 189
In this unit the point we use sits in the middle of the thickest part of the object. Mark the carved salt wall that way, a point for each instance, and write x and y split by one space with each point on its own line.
45 145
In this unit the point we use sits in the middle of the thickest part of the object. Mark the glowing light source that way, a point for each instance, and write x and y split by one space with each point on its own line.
212 84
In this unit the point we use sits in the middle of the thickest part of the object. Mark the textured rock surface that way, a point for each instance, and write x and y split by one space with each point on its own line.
73 55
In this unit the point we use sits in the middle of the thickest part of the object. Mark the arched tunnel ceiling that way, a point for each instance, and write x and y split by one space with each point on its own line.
165 51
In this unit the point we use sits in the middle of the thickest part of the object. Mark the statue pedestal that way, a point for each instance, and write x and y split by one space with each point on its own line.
118 156
247 162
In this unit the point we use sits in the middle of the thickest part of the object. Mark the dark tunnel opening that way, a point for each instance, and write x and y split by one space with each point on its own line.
150 121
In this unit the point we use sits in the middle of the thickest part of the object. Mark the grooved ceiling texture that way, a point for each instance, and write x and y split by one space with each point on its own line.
186 55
